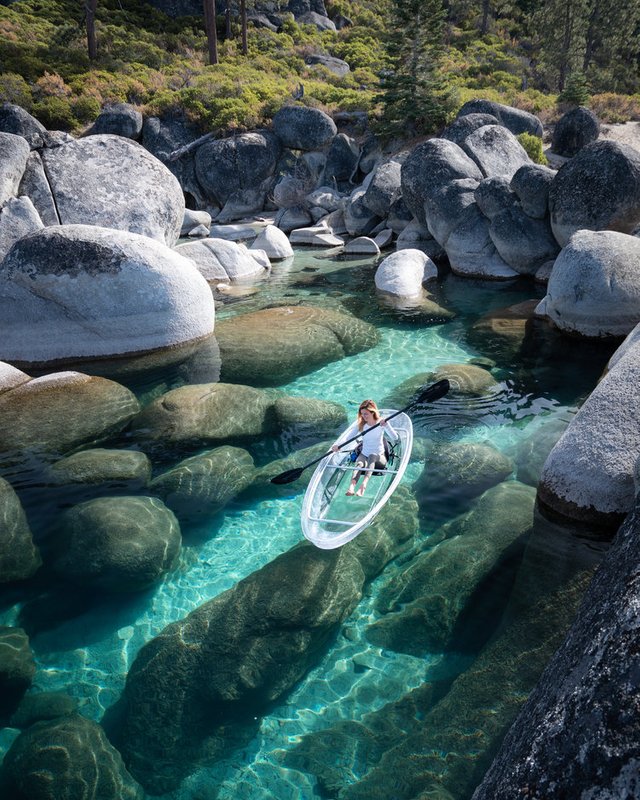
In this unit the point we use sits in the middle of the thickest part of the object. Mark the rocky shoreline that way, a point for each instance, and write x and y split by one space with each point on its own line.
92 270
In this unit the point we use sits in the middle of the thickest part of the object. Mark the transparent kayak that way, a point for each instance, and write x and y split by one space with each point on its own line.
329 518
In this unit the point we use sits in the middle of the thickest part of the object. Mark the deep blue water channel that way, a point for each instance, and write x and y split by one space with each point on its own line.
88 655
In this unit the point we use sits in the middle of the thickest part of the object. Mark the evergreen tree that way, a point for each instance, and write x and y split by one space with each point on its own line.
561 27
415 96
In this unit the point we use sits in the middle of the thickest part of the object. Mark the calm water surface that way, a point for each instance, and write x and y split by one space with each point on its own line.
89 655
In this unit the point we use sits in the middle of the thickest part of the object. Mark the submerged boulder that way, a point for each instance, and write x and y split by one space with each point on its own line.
67 757
202 485
112 182
204 414
61 411
129 468
423 604
275 345
19 557
201 686
117 544
80 291
17 667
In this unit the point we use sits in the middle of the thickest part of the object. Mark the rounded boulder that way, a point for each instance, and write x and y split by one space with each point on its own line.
302 128
574 130
403 273
594 288
118 544
113 182
599 189
79 291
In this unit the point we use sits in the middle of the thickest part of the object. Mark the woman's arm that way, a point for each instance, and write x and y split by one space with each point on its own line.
388 429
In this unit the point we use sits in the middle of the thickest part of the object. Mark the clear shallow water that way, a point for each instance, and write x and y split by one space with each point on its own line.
89 655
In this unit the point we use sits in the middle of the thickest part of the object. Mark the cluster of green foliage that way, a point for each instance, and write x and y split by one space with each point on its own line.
413 62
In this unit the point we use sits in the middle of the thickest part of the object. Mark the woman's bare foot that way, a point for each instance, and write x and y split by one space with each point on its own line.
350 491
360 491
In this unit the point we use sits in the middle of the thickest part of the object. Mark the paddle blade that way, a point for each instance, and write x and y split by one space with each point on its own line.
434 392
289 476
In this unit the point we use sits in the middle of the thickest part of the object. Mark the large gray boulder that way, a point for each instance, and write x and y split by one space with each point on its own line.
274 243
117 544
496 151
35 186
359 220
594 288
19 557
589 474
403 273
574 130
228 167
383 189
201 686
59 412
119 119
78 291
14 119
577 735
523 243
68 757
431 166
221 260
302 128
275 345
321 22
531 184
516 120
17 219
342 160
162 138
14 152
463 126
113 182
494 195
598 189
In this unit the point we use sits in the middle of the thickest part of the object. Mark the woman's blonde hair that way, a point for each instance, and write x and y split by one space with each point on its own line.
371 405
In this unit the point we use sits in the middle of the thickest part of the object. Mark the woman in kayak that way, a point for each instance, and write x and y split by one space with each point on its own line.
372 454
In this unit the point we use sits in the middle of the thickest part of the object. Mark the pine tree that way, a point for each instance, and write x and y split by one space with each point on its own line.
561 27
415 96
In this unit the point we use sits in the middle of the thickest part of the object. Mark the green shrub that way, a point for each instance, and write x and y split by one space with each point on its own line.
533 146
14 89
613 108
55 113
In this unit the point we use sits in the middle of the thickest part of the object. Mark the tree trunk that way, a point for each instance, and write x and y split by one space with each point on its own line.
484 25
92 45
227 17
210 27
243 18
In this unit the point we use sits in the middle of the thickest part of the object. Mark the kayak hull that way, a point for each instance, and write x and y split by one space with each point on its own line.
329 518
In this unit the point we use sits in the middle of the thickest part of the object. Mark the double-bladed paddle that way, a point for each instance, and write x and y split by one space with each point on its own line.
433 392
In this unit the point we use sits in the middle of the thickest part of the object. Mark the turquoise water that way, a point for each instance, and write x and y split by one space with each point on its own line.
89 655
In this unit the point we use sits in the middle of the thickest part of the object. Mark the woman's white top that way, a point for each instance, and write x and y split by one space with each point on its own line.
372 439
